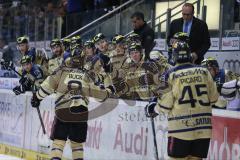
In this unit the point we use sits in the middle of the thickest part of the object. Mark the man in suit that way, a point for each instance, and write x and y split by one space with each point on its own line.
197 30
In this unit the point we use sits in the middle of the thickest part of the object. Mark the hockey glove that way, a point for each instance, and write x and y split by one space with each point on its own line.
150 66
146 79
7 65
149 110
111 89
119 84
35 102
229 90
19 89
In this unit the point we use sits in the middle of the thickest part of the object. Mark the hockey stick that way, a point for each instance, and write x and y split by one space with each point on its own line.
154 138
44 142
9 67
152 122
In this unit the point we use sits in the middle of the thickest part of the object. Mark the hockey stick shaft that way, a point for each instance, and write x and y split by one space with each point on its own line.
34 89
152 123
154 138
41 120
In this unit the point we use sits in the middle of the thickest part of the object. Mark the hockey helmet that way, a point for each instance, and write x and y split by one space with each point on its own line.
77 57
89 44
133 37
55 42
26 59
23 39
181 52
66 42
155 55
210 62
76 40
98 37
118 39
135 47
181 36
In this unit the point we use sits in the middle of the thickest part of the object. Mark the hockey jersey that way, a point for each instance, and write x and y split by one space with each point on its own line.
72 87
222 77
142 79
191 92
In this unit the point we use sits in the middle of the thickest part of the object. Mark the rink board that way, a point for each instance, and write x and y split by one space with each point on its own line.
117 130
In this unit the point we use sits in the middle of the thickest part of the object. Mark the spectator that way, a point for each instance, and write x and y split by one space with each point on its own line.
6 52
146 33
196 29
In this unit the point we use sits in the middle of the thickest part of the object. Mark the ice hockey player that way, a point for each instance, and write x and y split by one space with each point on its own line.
133 37
23 47
57 57
72 86
66 44
38 57
220 76
187 100
139 79
70 44
119 54
180 36
101 44
160 59
31 75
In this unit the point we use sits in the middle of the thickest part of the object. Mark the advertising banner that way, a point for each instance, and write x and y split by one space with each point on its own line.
117 129
12 118
160 44
125 133
225 143
34 134
230 43
228 60
214 44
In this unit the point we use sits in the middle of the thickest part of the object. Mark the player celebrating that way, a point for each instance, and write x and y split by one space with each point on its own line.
220 76
31 75
57 58
187 100
72 86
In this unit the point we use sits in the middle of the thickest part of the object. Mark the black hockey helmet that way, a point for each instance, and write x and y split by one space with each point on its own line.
118 39
89 43
135 47
210 62
77 56
133 37
26 59
181 36
98 37
75 41
181 52
23 39
55 42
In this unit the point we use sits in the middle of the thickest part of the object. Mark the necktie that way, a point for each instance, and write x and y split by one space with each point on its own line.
186 27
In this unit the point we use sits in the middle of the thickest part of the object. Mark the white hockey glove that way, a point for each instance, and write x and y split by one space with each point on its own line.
229 90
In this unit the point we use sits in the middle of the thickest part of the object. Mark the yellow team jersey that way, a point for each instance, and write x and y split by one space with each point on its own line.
72 87
191 92
142 79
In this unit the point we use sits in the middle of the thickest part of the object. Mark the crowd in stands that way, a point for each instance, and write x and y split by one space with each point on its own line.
22 17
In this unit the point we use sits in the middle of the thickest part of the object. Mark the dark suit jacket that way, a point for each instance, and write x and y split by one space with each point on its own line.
147 37
199 36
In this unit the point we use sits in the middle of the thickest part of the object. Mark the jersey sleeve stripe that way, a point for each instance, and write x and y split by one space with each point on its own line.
190 116
190 129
